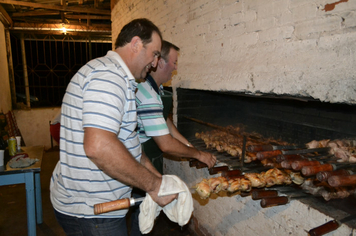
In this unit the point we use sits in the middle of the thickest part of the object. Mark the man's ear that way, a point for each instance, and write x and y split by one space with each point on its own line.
136 44
161 62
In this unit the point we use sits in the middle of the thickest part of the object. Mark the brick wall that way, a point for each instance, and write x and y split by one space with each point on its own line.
255 46
302 47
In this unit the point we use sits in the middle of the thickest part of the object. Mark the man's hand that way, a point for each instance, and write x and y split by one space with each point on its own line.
161 201
207 158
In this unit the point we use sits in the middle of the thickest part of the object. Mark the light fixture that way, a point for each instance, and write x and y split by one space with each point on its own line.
64 30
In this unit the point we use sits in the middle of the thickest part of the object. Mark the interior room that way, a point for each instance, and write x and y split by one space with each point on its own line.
278 73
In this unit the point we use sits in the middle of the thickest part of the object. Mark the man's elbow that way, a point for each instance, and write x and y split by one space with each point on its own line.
91 150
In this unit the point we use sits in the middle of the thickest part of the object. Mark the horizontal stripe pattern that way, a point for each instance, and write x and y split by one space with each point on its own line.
101 95
150 117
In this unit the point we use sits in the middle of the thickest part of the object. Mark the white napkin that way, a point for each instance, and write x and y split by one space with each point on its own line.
178 211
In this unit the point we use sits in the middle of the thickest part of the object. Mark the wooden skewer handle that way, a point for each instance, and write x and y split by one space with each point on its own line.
111 206
256 195
193 162
324 229
267 154
259 148
325 175
283 157
201 165
231 173
338 180
287 164
299 164
216 170
274 201
313 170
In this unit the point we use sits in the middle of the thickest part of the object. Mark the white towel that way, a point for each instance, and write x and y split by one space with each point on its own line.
178 211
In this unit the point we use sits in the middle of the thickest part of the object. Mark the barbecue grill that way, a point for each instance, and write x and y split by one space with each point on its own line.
295 121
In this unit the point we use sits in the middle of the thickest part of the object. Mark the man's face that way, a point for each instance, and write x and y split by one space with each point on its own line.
170 65
149 56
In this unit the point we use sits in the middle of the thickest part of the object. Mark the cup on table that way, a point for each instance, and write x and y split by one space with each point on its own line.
18 141
2 152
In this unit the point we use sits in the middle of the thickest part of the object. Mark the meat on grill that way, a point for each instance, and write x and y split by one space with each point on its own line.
246 182
230 140
325 191
344 149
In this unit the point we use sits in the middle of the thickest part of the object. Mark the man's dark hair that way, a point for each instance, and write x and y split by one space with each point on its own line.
166 47
142 28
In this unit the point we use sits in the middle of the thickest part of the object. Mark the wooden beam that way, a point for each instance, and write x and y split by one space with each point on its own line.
88 17
7 21
57 27
35 13
58 8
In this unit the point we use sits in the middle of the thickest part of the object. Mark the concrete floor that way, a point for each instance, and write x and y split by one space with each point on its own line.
13 218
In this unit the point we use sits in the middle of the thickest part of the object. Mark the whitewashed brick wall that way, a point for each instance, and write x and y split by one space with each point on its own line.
257 46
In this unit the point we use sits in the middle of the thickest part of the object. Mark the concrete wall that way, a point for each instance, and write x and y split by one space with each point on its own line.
34 125
303 48
5 96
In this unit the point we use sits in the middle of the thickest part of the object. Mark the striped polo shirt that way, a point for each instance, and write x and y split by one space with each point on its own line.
150 117
100 95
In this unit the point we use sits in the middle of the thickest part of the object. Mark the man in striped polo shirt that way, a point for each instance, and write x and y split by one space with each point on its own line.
157 132
100 152
150 117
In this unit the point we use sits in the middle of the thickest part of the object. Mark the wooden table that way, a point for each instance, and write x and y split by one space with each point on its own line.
30 176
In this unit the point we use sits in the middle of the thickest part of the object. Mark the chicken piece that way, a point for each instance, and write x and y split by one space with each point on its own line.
352 159
342 154
224 183
324 142
234 151
296 177
270 181
217 184
252 155
214 184
245 185
313 144
234 185
336 193
281 177
203 189
255 180
309 187
239 184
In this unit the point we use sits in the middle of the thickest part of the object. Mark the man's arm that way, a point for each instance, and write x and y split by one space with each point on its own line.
148 164
172 146
175 133
112 157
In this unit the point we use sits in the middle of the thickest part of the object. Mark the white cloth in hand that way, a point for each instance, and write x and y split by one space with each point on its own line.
178 211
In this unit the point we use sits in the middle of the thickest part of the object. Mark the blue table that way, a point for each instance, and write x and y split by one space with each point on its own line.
30 176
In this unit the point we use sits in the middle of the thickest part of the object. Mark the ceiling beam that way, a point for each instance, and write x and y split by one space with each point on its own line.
35 13
5 18
58 27
69 16
58 8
